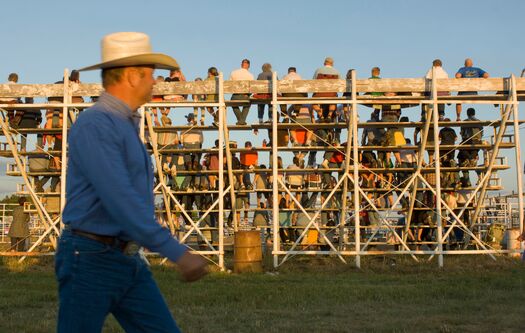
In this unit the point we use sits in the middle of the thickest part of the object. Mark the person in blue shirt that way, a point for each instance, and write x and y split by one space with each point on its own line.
468 72
109 211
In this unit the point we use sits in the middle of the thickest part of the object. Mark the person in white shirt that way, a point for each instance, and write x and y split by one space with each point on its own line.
238 75
439 73
293 76
191 138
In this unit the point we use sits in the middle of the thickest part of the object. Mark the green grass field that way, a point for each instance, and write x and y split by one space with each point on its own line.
472 294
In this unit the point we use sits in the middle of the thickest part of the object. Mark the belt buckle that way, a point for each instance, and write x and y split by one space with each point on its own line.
131 248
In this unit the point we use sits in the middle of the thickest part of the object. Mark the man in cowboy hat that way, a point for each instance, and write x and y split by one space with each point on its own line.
110 206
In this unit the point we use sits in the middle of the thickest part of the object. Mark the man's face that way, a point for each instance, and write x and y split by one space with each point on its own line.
144 88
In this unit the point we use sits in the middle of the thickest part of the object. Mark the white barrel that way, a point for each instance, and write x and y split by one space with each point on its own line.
512 242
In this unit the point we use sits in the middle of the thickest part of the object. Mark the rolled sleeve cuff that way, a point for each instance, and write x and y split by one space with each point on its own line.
172 250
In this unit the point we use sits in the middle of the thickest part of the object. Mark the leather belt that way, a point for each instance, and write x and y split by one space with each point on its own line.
108 240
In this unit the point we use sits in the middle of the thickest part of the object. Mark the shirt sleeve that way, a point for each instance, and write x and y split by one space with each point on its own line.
98 150
481 72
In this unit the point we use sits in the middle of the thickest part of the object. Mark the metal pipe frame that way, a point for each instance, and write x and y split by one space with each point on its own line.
511 105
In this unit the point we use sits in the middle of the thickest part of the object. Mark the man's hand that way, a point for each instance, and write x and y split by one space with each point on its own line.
192 266
521 237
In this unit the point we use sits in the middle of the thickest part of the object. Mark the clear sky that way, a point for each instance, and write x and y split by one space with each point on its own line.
41 38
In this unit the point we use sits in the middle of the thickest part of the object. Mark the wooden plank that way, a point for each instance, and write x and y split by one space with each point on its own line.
417 85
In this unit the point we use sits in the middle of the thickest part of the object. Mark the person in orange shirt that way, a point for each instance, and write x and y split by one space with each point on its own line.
249 160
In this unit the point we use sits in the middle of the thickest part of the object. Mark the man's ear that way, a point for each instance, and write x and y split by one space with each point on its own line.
132 76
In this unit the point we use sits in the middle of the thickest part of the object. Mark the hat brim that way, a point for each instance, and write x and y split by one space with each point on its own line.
158 60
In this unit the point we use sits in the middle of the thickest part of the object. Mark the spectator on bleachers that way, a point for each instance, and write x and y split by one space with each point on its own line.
260 183
468 72
191 138
408 157
447 136
237 75
168 140
74 78
294 179
158 99
11 79
261 217
213 98
266 74
373 136
286 232
249 160
280 177
175 76
439 73
199 98
211 161
293 76
29 118
302 137
430 137
327 72
471 134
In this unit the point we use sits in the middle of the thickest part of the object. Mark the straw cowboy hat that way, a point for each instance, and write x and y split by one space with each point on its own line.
123 49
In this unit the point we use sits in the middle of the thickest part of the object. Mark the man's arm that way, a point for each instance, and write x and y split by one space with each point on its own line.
97 150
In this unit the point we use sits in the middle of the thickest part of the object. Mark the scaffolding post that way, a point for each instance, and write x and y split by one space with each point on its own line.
231 178
275 183
222 112
437 165
357 201
348 151
517 149
63 165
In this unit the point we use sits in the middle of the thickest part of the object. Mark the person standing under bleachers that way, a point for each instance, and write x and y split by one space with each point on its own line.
19 229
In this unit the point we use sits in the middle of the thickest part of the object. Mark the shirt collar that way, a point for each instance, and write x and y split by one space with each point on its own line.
115 105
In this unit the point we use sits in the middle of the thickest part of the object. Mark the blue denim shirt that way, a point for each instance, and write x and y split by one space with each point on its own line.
110 179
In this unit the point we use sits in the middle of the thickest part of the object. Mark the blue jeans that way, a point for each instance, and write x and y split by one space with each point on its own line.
95 279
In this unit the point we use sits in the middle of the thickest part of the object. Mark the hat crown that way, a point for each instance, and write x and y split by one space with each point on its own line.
124 44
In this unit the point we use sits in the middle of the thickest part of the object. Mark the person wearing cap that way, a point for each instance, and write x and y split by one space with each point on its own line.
192 138
327 72
241 74
110 210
